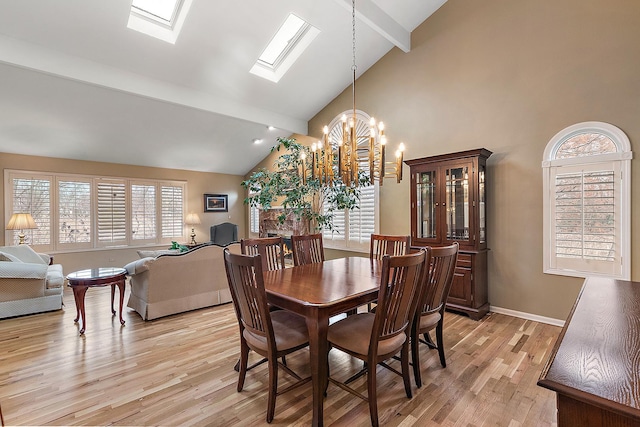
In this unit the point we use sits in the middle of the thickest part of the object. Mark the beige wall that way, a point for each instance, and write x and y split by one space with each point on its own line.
198 183
507 75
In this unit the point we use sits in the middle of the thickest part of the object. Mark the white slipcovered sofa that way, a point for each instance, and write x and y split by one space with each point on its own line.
28 284
175 283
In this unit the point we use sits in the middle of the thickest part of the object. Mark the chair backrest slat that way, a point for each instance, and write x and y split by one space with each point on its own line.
440 277
399 292
244 274
270 249
382 245
307 249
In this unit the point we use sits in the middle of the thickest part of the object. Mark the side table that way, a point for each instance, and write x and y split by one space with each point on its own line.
81 280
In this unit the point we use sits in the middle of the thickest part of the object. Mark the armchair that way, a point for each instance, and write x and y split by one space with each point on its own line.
224 234
28 284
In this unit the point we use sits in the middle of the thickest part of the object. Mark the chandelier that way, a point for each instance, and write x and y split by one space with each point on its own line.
358 144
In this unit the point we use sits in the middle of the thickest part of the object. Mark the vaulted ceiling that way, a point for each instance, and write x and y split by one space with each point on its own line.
77 83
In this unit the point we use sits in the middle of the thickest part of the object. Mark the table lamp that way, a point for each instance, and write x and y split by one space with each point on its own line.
192 219
21 221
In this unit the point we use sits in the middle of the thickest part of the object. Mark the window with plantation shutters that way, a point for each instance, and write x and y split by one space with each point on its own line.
81 212
587 202
74 212
143 212
32 194
112 212
172 211
352 229
254 219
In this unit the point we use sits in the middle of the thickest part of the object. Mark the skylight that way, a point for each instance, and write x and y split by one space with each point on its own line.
293 37
161 19
163 10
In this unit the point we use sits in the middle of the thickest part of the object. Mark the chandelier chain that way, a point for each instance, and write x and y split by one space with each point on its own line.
353 22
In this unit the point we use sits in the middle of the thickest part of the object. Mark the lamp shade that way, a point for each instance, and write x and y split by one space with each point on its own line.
192 219
21 221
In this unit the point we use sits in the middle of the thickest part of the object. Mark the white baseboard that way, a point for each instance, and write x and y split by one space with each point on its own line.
528 316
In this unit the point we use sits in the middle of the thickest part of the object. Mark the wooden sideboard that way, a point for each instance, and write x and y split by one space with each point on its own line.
594 367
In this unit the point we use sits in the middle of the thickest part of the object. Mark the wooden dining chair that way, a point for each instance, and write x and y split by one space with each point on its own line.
382 245
307 249
270 334
430 312
376 337
388 245
270 249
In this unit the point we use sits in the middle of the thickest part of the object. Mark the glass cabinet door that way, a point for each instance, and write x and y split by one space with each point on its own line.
426 205
457 202
482 221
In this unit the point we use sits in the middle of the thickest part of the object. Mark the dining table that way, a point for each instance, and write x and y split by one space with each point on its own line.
317 292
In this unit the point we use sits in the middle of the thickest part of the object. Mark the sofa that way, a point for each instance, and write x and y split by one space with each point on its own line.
28 283
173 283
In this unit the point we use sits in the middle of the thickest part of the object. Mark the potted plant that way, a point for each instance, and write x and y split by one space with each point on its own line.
293 185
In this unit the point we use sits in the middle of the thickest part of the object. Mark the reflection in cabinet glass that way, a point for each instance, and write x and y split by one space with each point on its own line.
457 203
448 204
426 192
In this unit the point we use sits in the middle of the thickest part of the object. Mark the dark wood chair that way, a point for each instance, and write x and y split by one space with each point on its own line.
382 245
270 334
307 249
270 249
376 337
430 312
388 245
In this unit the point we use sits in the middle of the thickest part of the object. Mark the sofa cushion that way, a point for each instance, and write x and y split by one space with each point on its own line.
55 277
23 270
24 253
139 265
145 254
8 257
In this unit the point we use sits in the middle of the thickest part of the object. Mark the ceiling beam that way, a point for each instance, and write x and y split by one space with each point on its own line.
369 13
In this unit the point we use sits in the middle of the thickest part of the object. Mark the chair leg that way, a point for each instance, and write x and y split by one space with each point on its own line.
244 359
273 388
372 396
443 362
404 358
428 340
415 357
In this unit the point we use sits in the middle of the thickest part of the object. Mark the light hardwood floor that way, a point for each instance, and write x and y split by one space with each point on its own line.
178 370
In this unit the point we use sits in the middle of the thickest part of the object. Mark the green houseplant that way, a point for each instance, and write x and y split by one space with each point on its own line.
292 185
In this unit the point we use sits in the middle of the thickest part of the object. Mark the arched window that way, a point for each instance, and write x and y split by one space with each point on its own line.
587 195
353 229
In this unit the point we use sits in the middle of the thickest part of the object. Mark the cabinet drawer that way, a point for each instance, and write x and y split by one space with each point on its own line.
464 260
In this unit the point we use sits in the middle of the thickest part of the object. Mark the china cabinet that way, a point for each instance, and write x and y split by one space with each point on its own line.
448 204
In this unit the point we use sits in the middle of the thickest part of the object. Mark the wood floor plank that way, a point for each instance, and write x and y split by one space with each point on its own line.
178 370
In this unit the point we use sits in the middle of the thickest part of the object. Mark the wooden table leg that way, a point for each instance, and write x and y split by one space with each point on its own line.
78 294
113 292
318 324
120 284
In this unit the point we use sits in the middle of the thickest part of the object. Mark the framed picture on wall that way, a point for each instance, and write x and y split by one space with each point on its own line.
216 203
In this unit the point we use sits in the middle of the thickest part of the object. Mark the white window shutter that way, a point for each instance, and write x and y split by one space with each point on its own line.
74 213
112 214
143 212
172 199
33 195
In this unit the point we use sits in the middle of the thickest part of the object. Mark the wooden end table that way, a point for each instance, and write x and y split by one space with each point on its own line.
81 280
